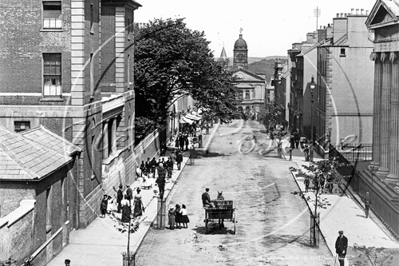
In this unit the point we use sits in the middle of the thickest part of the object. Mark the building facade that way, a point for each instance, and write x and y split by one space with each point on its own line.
344 92
68 65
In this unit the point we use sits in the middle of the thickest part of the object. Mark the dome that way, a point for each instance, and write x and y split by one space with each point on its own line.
240 43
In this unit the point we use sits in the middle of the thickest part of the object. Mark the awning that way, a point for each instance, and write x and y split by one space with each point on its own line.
184 120
193 117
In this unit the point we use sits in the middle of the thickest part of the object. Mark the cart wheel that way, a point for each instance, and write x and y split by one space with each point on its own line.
235 223
206 225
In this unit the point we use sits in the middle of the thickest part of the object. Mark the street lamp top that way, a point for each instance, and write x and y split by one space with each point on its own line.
312 86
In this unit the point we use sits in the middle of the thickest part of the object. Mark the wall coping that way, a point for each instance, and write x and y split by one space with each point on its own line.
25 206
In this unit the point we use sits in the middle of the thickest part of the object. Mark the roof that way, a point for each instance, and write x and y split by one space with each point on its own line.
391 10
246 75
23 159
240 43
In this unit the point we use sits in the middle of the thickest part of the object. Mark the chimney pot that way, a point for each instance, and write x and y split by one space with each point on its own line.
362 11
337 15
357 11
367 12
342 15
352 11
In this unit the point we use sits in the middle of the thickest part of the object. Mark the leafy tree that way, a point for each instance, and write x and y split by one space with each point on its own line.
172 61
270 114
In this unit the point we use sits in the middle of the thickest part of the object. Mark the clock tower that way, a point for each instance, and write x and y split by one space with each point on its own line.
240 52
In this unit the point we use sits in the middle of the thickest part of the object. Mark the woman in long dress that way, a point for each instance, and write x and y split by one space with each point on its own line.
138 204
126 210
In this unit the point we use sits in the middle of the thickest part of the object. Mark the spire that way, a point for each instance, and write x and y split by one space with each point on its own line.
223 55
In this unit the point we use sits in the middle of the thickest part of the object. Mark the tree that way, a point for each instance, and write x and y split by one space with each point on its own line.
270 114
375 256
172 61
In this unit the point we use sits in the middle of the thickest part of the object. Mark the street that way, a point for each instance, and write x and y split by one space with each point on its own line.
273 223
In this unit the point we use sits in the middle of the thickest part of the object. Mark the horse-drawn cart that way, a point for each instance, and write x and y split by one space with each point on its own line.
221 210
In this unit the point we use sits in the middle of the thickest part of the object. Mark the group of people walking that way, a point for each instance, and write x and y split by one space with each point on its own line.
178 217
126 204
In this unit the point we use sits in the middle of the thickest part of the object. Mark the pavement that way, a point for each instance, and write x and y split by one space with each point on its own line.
101 243
341 211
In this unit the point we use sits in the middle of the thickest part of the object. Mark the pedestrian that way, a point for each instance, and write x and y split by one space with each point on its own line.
119 198
184 218
292 141
178 216
307 182
142 168
296 138
110 205
153 165
367 204
104 206
341 244
181 142
179 159
171 217
161 180
129 193
148 165
126 210
206 199
186 142
138 204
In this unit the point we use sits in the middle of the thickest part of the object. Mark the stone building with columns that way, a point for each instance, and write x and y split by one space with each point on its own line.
382 177
68 65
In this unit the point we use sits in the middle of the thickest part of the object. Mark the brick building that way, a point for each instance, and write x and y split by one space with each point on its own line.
68 65
38 202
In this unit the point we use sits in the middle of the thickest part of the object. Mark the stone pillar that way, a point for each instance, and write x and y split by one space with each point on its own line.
375 164
105 140
113 135
394 121
384 122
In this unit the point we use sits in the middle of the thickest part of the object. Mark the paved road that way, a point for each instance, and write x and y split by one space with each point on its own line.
272 223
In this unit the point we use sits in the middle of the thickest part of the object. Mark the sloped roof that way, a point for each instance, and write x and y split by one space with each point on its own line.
43 136
391 7
249 76
22 159
342 40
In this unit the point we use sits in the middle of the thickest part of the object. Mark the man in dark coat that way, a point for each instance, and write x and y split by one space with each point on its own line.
179 159
206 199
148 166
161 179
153 165
341 244
129 194
119 198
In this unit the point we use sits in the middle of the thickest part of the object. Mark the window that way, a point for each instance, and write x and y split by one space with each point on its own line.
247 95
91 76
91 18
128 29
342 52
48 209
21 125
52 75
52 15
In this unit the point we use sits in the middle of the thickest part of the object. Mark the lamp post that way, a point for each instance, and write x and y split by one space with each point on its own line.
312 87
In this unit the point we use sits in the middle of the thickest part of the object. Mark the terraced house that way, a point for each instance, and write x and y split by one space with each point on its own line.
66 75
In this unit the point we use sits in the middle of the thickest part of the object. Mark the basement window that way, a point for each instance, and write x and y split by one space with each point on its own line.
52 15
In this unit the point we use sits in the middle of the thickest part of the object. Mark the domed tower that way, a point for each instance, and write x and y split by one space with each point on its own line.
240 53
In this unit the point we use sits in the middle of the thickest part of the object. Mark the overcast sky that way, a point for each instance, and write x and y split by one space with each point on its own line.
269 27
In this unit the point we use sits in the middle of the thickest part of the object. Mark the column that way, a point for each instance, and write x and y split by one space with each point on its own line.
375 164
113 135
105 140
393 125
384 122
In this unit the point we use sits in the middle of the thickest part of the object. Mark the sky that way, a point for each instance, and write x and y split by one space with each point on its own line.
269 27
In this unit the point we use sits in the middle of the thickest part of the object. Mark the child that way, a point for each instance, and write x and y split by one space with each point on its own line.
171 216
184 218
104 205
178 217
